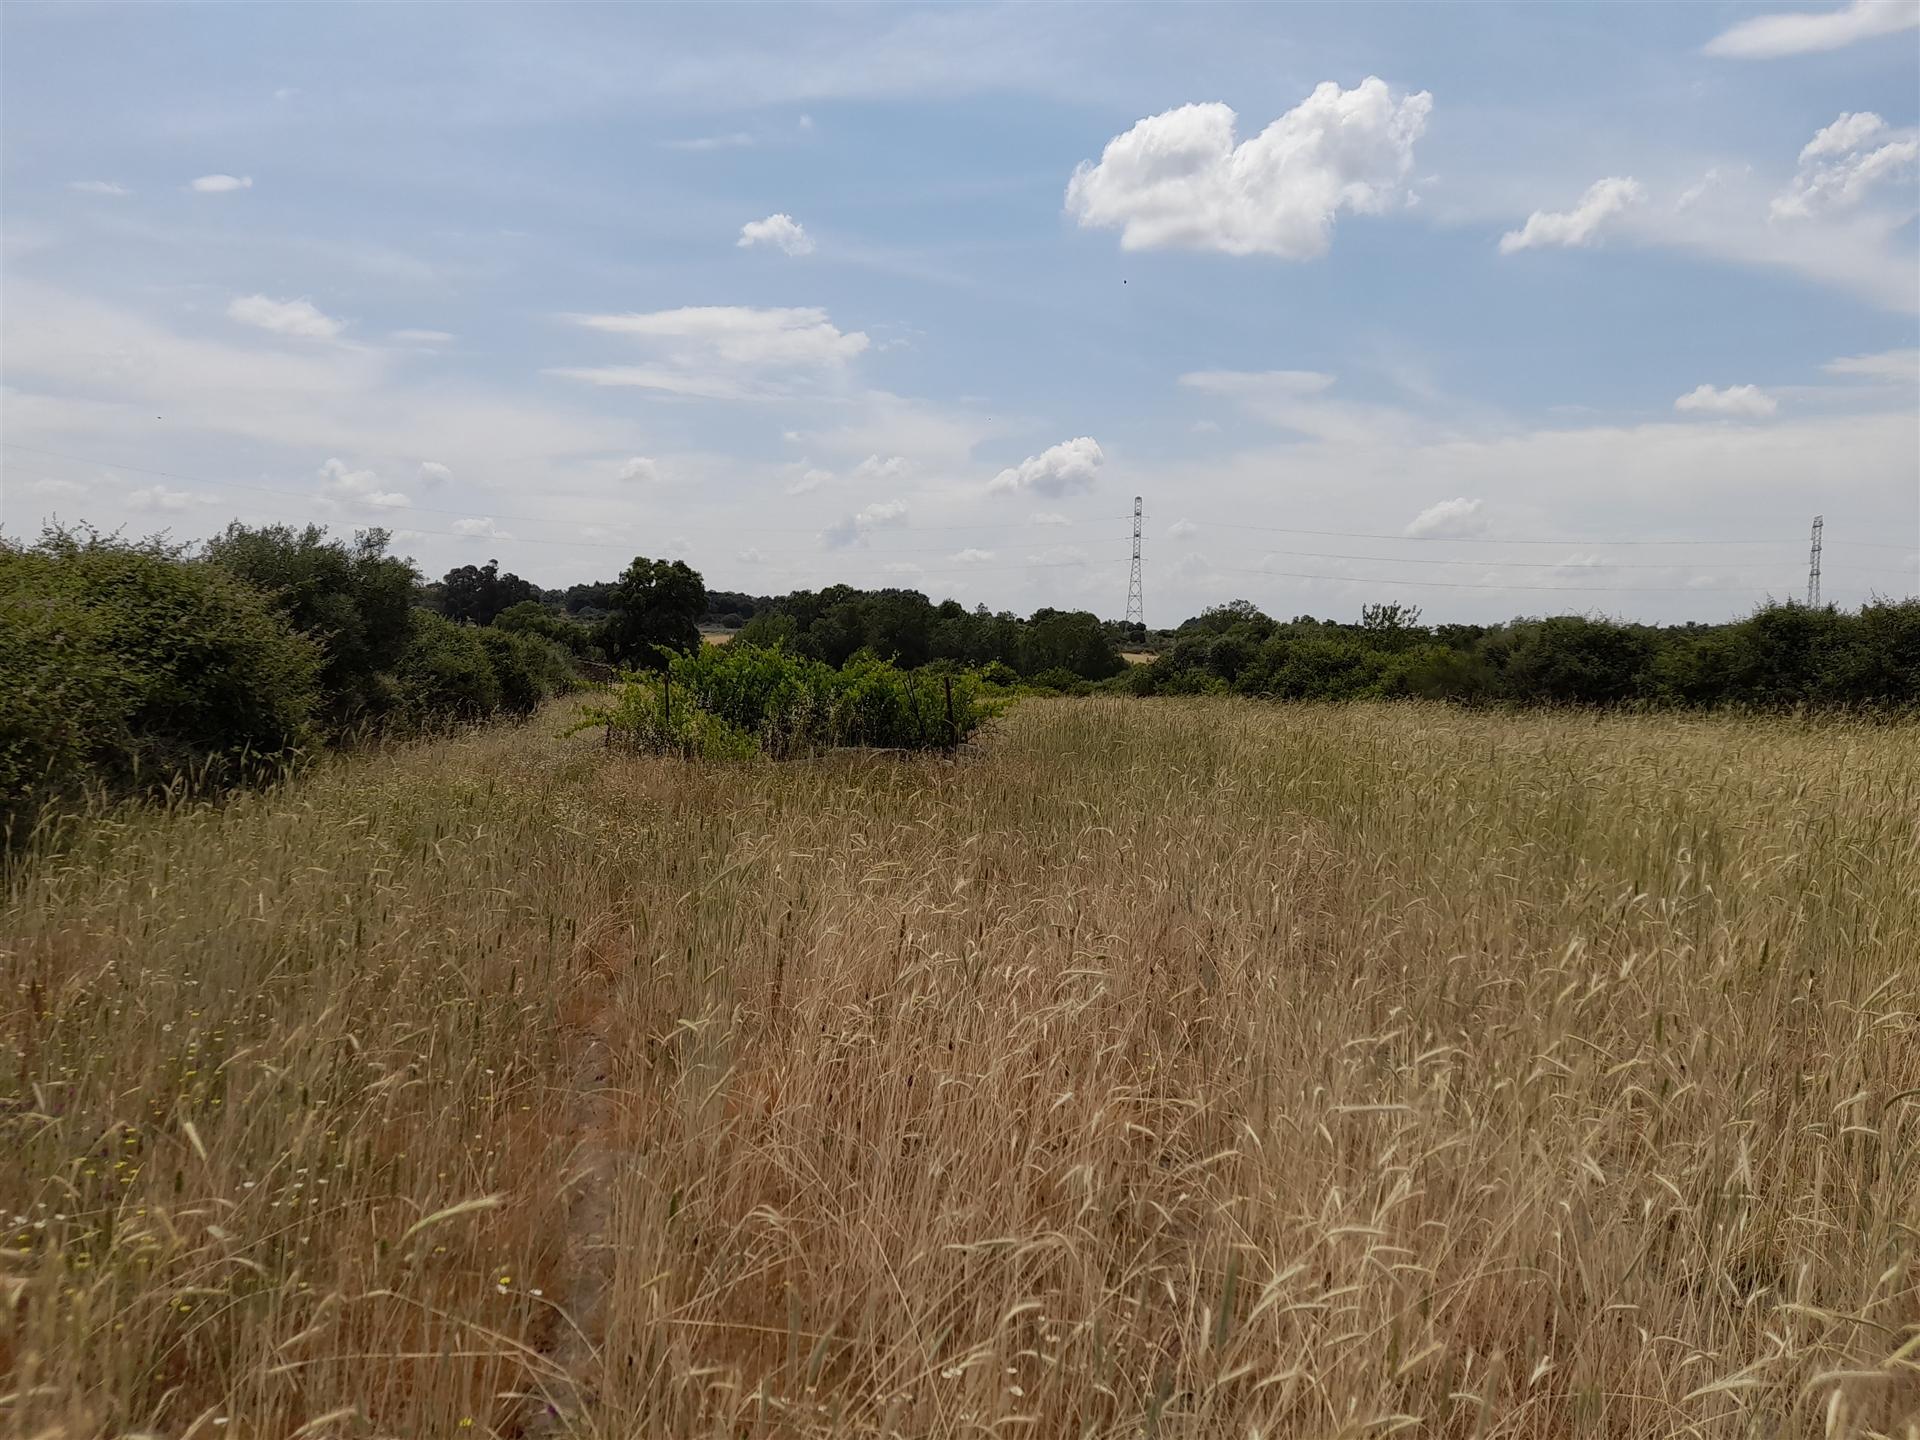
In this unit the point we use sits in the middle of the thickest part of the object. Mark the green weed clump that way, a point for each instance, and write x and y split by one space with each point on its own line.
739 700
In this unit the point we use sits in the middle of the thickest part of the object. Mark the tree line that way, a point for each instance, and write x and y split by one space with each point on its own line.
1782 656
127 663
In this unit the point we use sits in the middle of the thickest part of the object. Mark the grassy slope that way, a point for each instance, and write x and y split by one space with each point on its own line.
1190 1062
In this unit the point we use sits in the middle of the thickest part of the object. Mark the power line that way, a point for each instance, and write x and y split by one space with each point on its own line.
1473 585
1523 564
1473 539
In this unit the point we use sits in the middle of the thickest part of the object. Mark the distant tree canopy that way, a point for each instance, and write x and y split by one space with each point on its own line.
480 592
906 628
654 604
1780 657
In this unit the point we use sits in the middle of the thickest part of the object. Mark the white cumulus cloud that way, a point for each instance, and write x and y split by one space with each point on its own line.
1746 401
297 318
1458 517
432 473
1182 530
639 469
893 467
1058 470
98 187
972 556
480 527
1050 517
1769 37
221 184
359 487
1581 225
422 337
1846 162
1178 180
781 231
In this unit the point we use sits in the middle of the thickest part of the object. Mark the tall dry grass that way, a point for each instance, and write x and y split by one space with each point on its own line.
1162 1068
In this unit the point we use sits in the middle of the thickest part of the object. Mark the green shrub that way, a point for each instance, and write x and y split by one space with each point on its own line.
529 667
445 672
125 663
728 697
533 617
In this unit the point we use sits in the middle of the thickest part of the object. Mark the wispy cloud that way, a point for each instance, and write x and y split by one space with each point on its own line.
98 187
737 140
1773 37
1459 517
300 319
723 351
875 517
221 184
1748 402
1582 225
1886 365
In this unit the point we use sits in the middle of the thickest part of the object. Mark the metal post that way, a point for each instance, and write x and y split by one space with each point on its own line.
1813 565
1136 610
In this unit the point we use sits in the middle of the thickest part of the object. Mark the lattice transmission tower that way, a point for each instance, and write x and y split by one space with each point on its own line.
1136 610
1813 565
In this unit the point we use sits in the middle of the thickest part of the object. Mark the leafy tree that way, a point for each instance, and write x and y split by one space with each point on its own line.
480 592
1068 640
351 599
655 603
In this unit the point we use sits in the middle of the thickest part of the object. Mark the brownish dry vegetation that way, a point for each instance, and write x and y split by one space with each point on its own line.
1160 1068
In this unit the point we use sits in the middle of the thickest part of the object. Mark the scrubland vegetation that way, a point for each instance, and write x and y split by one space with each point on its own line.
733 702
1184 1067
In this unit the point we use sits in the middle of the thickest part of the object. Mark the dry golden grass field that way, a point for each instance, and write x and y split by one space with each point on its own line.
1160 1068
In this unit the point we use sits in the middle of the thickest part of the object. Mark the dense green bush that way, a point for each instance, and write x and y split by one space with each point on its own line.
445 672
353 600
528 667
725 701
534 617
124 663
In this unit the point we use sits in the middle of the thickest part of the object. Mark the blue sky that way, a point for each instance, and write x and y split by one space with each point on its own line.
1427 303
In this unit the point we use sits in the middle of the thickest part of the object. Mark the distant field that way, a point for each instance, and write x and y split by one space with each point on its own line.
716 637
1138 657
1157 1068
